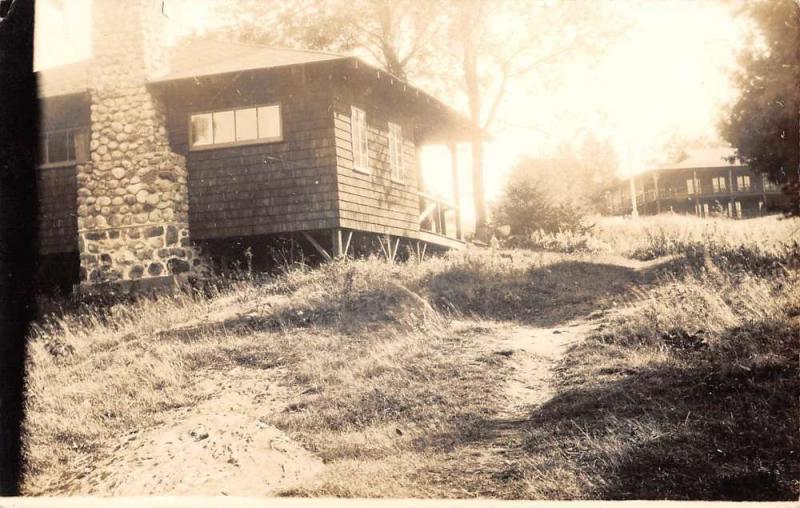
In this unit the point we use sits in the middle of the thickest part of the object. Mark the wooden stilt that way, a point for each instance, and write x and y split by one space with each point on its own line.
385 252
317 246
337 247
347 244
394 251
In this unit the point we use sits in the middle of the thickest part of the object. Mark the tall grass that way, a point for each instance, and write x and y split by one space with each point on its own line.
393 386
650 237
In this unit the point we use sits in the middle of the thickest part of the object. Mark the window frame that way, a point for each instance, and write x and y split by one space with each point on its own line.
258 141
691 189
743 188
82 130
398 169
719 184
361 165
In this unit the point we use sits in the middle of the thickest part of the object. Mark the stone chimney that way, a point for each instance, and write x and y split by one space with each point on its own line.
132 193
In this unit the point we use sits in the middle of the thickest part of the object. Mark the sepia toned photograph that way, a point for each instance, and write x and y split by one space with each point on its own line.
447 249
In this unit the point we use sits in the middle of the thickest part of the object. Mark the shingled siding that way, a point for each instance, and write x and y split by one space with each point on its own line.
58 222
263 188
373 201
58 206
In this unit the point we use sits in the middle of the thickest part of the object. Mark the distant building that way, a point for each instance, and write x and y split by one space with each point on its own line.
704 184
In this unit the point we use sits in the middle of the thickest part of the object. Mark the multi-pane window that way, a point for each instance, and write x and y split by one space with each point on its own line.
743 182
738 209
62 146
768 183
246 125
396 151
691 188
358 120
719 184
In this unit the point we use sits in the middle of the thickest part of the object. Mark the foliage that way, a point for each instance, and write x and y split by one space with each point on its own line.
763 125
526 208
536 198
395 34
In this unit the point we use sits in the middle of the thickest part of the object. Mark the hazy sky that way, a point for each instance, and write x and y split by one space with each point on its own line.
668 74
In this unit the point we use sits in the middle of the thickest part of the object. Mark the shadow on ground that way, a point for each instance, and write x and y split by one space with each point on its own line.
706 427
542 296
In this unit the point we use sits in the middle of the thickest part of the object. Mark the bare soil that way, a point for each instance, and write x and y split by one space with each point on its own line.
220 446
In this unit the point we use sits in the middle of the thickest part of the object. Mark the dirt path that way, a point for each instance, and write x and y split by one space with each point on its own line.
533 354
219 446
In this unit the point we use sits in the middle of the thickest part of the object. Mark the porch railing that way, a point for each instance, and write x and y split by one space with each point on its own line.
439 216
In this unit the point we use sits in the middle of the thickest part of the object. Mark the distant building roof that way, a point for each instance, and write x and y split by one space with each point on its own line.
704 158
190 58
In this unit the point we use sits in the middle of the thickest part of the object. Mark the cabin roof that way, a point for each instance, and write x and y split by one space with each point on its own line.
192 57
199 57
703 158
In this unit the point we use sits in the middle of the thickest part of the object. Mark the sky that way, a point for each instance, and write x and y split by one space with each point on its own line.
667 75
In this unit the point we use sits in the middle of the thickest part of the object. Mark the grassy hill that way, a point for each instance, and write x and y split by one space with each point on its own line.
684 383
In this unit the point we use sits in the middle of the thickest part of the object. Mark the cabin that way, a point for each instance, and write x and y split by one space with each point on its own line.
157 160
706 183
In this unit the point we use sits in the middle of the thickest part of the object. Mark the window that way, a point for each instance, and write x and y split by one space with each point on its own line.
248 125
718 183
738 209
63 146
769 185
396 151
743 182
358 121
690 187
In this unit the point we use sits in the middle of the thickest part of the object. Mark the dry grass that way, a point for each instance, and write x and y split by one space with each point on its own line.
690 393
654 236
689 389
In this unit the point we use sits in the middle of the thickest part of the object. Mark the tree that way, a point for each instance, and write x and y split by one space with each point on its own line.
764 123
396 34
501 42
526 207
536 196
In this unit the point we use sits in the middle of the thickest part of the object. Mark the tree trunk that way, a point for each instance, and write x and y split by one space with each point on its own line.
388 46
473 90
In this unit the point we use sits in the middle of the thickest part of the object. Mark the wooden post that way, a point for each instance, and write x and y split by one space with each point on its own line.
317 246
655 188
347 244
456 188
730 196
337 246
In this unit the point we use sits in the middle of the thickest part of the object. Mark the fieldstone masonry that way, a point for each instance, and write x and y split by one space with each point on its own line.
132 194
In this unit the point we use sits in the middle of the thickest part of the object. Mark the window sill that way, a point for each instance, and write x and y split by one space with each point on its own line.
202 148
399 182
56 165
363 171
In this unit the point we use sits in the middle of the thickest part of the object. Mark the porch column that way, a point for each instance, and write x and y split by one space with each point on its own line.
456 187
730 196
655 189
